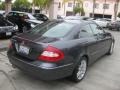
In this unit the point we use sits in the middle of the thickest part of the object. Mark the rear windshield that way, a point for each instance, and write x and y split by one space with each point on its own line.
53 29
4 22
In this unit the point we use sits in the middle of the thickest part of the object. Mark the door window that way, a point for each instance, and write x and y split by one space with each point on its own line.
85 31
96 29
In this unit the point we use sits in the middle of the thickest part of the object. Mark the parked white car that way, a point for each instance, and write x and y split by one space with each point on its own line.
34 22
102 22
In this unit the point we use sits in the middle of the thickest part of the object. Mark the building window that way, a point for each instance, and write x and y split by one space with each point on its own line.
96 5
105 6
59 6
69 4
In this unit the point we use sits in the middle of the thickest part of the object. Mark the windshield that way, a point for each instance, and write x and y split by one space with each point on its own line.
4 22
53 29
31 16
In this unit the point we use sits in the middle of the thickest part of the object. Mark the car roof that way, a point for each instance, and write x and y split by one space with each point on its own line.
76 18
21 12
18 12
35 21
38 14
29 14
77 22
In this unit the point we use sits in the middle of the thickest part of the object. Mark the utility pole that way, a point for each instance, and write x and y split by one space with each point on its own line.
104 7
93 13
73 7
116 9
65 8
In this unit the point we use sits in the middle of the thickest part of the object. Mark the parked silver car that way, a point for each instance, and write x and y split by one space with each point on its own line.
6 27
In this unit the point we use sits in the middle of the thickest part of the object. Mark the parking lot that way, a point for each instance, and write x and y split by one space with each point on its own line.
4 44
102 75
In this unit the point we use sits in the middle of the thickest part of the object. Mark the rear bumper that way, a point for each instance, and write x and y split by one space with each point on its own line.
44 71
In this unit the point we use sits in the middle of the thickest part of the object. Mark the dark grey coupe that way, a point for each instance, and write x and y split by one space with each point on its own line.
58 49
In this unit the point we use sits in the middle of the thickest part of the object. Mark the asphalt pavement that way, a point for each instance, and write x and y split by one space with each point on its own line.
4 43
102 75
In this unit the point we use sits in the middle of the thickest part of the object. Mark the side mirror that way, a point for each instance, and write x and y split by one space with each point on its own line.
100 28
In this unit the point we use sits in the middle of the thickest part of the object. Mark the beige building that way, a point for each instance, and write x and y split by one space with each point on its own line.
100 8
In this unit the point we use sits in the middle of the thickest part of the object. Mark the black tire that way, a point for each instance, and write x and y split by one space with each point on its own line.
110 52
74 76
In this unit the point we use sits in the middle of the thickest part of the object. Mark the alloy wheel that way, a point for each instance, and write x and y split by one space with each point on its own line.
82 69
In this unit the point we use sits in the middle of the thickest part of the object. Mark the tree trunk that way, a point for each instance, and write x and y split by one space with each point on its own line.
73 7
7 6
104 10
33 8
116 9
93 8
53 9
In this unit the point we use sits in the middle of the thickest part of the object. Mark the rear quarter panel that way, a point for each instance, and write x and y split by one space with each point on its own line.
73 50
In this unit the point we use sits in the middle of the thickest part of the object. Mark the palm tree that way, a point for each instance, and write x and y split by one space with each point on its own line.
81 6
2 5
42 4
21 4
7 6
116 9
74 1
104 9
94 1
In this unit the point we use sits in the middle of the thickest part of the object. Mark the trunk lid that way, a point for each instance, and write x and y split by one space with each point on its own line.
32 45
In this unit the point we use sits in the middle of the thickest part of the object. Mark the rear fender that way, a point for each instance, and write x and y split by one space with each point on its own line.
79 58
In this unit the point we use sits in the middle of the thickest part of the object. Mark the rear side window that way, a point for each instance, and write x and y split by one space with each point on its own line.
53 29
15 14
96 29
85 32
21 14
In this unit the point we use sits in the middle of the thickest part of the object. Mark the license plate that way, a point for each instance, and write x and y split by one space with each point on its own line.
8 33
24 49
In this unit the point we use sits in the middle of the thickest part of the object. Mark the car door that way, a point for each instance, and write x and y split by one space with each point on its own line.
90 42
103 41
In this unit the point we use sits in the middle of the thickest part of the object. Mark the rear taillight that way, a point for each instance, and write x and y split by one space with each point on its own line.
51 54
